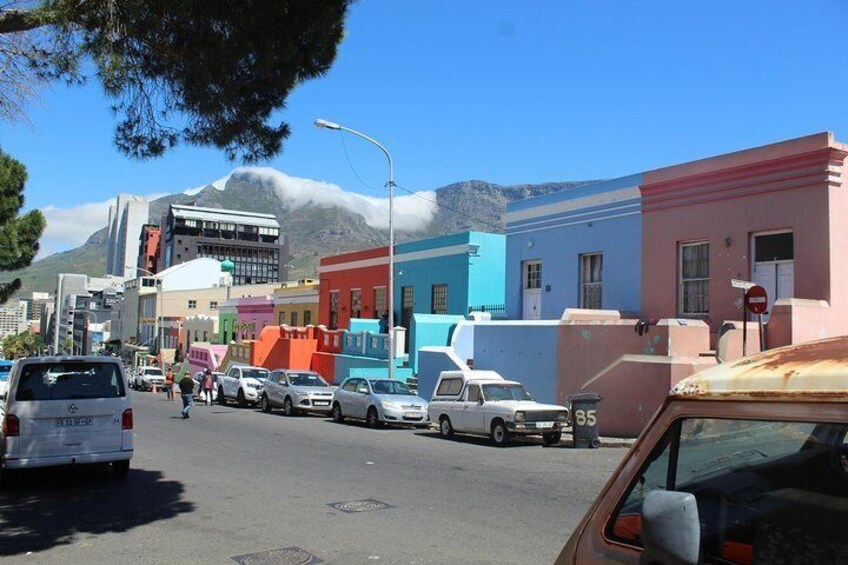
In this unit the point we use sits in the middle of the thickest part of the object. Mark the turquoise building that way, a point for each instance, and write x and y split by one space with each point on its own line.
449 275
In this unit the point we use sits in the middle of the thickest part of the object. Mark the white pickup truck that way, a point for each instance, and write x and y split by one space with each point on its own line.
146 377
242 384
483 403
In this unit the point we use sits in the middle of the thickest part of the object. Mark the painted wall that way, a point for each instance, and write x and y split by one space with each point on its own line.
226 326
524 351
793 185
429 330
301 299
431 362
360 269
257 311
202 357
557 228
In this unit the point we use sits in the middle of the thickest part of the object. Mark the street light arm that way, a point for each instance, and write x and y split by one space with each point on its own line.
375 142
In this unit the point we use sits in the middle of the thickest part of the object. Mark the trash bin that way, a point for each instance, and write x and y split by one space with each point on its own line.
584 419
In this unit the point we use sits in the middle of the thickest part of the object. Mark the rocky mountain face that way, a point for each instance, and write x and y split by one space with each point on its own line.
314 231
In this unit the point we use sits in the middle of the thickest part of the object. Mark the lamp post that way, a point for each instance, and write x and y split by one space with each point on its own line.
390 298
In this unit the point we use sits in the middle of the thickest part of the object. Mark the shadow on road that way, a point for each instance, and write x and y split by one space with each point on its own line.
43 508
483 441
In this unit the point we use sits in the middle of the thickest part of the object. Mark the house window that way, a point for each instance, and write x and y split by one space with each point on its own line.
591 277
192 304
439 299
695 279
213 305
282 318
307 317
380 306
533 275
334 309
294 317
355 303
407 303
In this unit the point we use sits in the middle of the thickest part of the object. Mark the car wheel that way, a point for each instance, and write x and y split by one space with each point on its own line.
499 433
121 468
372 418
445 427
266 406
242 401
552 438
222 400
288 407
338 417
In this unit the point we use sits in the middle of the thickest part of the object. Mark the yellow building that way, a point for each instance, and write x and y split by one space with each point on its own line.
296 303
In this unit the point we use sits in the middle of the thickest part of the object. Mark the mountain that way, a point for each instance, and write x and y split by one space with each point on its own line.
316 228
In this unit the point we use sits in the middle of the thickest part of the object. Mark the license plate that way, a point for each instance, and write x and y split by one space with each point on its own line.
321 403
411 415
544 425
73 422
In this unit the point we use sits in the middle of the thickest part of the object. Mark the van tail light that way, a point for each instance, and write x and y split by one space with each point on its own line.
11 426
127 420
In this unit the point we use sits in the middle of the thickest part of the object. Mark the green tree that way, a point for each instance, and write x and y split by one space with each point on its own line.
195 71
22 345
19 235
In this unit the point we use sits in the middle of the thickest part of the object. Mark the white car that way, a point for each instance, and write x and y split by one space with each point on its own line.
242 384
378 402
67 410
296 392
483 403
146 377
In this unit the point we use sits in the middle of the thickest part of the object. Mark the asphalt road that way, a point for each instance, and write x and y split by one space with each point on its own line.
231 482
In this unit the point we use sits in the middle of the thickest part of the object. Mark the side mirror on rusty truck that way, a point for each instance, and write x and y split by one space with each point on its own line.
670 529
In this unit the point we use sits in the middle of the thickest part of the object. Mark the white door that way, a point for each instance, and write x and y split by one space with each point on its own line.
532 284
774 265
473 413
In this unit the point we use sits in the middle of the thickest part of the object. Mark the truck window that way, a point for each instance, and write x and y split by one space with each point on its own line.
69 381
777 491
473 393
449 387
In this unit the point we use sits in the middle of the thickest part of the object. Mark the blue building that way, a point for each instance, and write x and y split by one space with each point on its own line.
449 275
579 248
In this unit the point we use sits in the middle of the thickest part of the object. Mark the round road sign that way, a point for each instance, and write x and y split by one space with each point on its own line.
756 300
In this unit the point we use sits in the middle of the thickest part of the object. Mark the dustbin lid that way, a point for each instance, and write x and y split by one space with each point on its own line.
585 397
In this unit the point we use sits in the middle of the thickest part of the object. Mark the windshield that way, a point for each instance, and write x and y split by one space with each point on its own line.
391 387
153 371
260 374
495 392
66 381
306 379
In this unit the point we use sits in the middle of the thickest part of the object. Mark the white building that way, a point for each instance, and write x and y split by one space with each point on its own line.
126 218
68 287
13 319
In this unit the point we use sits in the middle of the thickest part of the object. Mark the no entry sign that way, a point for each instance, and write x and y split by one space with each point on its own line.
756 300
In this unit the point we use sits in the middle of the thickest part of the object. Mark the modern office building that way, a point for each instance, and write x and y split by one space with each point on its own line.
250 240
13 319
91 316
126 219
148 249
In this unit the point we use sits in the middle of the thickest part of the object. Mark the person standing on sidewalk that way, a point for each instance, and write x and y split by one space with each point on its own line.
187 392
169 383
208 385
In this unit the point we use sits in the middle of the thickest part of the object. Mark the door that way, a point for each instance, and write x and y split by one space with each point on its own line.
473 417
68 409
774 266
532 299
274 387
407 303
359 399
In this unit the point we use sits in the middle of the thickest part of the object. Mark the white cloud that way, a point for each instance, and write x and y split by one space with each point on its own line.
218 184
411 212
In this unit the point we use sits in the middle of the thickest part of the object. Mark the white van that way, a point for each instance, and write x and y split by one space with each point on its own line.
67 411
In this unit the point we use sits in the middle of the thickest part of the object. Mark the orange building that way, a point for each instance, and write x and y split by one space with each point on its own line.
148 248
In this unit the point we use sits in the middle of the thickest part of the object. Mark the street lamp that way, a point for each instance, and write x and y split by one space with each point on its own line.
324 124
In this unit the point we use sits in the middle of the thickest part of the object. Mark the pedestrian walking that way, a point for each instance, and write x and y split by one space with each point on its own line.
208 385
187 392
169 384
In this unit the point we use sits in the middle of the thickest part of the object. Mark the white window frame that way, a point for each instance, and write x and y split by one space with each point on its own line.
680 281
584 285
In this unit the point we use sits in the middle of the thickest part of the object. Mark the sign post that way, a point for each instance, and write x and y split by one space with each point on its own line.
744 285
756 302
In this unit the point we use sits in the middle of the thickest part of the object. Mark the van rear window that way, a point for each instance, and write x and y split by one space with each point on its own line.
449 387
66 381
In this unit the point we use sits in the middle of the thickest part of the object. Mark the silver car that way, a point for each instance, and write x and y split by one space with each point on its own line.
295 392
378 402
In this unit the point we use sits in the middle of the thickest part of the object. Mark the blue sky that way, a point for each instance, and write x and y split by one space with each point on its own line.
509 92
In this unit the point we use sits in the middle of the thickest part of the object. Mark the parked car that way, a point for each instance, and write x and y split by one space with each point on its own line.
241 384
67 410
483 403
378 401
746 462
296 392
148 376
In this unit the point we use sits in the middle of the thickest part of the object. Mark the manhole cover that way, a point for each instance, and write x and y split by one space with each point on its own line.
360 505
284 556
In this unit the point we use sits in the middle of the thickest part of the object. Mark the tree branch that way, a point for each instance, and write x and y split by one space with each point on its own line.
15 21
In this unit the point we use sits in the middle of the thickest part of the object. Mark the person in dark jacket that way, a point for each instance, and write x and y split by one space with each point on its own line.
187 392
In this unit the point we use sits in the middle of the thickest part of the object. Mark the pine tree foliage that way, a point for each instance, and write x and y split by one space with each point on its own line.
19 235
200 72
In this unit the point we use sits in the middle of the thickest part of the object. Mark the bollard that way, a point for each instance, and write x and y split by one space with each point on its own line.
154 388
584 419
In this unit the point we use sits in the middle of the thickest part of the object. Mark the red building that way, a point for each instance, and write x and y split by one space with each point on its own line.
353 285
148 247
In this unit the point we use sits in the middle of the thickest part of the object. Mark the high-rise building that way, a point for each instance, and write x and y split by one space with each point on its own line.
13 318
68 287
148 249
250 240
126 219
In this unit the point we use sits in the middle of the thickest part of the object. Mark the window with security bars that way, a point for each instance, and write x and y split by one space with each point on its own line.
533 274
307 317
439 299
355 303
380 305
695 279
591 281
294 318
334 309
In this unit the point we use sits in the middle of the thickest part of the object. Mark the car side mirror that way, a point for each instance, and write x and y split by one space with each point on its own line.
480 401
670 529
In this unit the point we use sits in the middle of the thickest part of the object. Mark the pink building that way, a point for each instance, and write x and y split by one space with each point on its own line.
254 313
774 215
204 356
